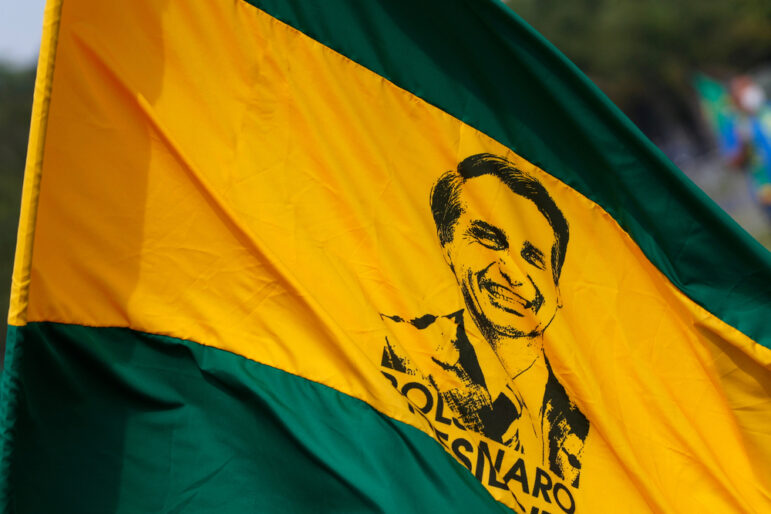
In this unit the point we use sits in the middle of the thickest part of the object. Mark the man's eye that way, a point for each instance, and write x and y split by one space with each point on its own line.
488 238
533 255
490 243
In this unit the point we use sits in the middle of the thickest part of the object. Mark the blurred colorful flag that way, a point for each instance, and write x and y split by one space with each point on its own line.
741 124
292 256
759 165
719 112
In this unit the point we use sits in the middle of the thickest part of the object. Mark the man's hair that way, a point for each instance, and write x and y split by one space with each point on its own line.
447 209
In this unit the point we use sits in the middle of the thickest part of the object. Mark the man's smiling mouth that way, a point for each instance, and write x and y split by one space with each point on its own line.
504 298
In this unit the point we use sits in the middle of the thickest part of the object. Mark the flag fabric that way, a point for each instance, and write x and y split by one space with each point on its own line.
341 256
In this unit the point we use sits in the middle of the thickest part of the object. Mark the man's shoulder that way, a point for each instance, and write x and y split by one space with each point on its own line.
406 332
425 321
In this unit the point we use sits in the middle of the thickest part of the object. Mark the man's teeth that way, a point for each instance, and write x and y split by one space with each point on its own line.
504 293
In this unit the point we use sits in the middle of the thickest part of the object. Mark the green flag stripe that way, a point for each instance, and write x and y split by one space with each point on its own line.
479 62
114 420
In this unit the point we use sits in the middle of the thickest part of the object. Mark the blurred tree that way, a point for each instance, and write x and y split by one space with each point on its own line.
16 87
643 53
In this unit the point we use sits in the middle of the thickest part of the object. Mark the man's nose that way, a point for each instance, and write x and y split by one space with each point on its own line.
514 275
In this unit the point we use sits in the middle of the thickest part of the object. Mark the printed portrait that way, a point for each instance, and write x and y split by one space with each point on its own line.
507 265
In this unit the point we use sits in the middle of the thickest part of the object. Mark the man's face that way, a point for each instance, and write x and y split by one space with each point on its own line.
501 256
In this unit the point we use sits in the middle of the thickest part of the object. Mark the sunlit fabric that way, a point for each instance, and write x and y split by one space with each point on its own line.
354 256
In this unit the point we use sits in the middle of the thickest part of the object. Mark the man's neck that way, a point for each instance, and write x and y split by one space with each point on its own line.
528 389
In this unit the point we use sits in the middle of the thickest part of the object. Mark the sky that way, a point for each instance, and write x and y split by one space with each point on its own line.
21 22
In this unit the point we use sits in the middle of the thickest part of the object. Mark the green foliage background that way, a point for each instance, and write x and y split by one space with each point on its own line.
643 53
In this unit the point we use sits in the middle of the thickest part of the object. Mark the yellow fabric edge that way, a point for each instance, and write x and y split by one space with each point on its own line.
17 314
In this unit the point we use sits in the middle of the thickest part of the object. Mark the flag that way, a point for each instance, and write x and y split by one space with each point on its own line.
339 256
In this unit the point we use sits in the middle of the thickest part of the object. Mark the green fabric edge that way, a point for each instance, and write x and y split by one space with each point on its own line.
114 420
481 63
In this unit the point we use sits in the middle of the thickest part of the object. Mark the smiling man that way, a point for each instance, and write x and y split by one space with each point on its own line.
507 262
505 241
